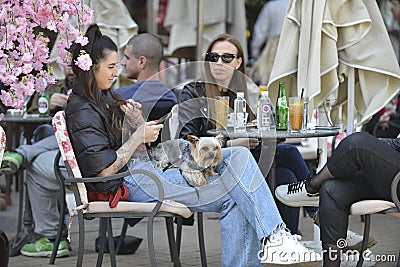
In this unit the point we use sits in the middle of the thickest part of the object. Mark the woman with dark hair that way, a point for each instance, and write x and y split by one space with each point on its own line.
252 230
225 75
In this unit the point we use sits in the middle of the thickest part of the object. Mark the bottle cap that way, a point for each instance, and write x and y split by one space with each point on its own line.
262 88
240 94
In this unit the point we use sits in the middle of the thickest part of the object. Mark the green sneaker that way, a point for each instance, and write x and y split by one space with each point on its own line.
43 248
11 163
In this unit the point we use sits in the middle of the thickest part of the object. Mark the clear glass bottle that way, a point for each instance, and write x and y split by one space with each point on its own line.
265 113
281 110
240 113
44 104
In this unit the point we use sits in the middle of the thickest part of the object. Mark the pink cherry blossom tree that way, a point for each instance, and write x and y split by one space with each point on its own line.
24 52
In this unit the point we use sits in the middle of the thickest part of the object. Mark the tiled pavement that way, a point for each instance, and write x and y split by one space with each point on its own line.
385 229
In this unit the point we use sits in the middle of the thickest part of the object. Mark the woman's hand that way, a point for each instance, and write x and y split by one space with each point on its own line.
133 112
147 132
249 143
58 100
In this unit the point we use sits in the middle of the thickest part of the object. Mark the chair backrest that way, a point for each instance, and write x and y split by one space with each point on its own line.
2 142
67 152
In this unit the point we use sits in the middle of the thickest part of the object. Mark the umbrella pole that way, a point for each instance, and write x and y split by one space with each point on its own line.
199 35
350 101
151 25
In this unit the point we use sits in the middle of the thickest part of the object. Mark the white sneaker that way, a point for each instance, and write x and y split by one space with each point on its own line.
295 195
288 251
354 241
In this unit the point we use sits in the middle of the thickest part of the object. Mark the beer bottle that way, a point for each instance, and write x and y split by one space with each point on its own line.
281 110
44 104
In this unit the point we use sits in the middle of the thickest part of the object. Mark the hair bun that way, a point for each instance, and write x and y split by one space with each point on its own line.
98 33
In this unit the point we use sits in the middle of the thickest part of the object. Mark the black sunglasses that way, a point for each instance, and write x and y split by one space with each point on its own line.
214 57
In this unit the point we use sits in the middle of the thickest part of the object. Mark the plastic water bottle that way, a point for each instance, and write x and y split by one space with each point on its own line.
265 113
239 113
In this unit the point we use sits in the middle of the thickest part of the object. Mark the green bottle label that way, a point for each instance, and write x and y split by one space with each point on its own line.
282 102
43 106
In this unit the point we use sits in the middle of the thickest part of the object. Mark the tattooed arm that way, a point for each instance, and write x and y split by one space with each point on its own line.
148 132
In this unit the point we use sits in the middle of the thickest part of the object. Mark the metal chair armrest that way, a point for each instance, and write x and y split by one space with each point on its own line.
96 179
395 185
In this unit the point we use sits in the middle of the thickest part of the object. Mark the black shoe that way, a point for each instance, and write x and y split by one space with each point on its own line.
129 245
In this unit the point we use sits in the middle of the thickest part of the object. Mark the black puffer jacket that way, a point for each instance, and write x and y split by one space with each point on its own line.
93 139
192 111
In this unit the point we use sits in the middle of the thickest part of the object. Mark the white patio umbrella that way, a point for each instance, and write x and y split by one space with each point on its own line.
337 47
222 16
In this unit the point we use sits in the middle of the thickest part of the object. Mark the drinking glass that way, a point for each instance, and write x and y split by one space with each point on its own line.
296 111
220 112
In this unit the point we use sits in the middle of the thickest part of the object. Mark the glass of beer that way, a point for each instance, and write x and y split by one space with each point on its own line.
221 111
296 110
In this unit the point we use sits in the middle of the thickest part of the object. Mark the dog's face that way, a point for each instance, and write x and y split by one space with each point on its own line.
206 151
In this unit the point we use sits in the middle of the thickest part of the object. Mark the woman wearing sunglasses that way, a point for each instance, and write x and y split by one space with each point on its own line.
225 75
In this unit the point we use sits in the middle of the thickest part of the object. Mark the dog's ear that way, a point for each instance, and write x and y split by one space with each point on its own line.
219 138
192 139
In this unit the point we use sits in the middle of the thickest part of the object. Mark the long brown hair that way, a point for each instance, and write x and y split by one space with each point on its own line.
98 47
238 80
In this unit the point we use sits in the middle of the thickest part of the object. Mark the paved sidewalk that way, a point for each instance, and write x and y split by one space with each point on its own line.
385 229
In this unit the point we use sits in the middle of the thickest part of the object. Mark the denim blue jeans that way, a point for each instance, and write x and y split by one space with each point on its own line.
291 168
239 193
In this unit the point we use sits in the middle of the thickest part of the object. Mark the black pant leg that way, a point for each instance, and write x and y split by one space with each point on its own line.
336 197
378 162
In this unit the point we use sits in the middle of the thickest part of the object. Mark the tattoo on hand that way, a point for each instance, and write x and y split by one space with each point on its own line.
118 165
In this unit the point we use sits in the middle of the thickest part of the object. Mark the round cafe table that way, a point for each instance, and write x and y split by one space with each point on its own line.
252 132
269 139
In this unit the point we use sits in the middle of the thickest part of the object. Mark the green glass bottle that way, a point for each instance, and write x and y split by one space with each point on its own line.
44 104
281 109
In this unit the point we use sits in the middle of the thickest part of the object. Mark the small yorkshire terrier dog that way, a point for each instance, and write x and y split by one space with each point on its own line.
195 157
